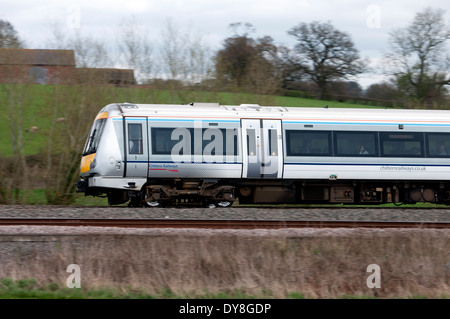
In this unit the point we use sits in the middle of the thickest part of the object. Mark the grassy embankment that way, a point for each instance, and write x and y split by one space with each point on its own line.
309 263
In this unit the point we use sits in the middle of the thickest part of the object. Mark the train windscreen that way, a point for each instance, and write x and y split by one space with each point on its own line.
94 137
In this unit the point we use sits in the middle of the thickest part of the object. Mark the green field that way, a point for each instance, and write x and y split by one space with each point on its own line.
31 289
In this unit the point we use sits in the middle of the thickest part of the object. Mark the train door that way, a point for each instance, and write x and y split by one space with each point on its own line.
262 154
136 145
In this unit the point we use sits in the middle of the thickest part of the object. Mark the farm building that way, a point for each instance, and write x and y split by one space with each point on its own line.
37 66
55 67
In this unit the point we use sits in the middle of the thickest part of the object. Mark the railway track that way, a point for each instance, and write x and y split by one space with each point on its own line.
215 224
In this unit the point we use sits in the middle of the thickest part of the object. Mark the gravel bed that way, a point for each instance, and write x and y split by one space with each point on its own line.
351 214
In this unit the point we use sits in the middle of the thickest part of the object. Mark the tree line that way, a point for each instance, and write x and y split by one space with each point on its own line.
324 61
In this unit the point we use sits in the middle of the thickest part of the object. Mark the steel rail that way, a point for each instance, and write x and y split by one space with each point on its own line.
217 223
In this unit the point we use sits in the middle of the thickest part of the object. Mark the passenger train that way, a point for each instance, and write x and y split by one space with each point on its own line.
209 155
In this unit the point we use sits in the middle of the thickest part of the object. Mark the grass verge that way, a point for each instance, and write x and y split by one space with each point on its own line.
278 264
29 288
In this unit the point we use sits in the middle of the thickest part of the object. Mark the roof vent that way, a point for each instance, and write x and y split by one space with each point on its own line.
127 105
204 104
251 106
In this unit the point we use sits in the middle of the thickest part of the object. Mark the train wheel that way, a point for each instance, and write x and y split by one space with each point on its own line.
152 203
224 203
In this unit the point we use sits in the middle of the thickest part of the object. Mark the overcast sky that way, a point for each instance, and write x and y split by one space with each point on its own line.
368 22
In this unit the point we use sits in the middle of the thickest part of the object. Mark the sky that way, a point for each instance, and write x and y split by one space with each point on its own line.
368 22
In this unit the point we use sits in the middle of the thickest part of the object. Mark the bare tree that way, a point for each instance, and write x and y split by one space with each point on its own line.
89 52
199 60
173 51
17 98
325 54
8 36
58 37
418 57
185 60
245 27
291 73
135 49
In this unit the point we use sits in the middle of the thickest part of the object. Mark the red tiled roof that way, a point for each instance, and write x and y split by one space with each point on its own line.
36 57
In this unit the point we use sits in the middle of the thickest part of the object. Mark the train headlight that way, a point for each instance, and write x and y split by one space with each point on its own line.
93 164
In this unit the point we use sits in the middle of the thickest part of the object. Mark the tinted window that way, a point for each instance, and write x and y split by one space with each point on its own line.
211 141
438 144
94 137
162 142
273 142
402 144
307 143
356 144
135 143
251 142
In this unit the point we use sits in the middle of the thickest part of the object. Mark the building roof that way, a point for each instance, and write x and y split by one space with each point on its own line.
13 56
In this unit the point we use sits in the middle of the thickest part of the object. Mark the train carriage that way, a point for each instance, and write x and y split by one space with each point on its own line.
209 154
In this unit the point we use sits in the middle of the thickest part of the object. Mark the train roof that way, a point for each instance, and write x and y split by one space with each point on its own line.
213 110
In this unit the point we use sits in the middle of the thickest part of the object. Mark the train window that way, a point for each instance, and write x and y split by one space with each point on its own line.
162 142
218 141
356 143
251 142
438 144
211 141
94 137
273 142
231 141
135 139
394 144
308 143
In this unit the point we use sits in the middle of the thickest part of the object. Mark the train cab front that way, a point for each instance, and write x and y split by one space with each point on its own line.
88 160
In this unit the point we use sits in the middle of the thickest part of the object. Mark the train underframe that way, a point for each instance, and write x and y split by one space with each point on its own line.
223 193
